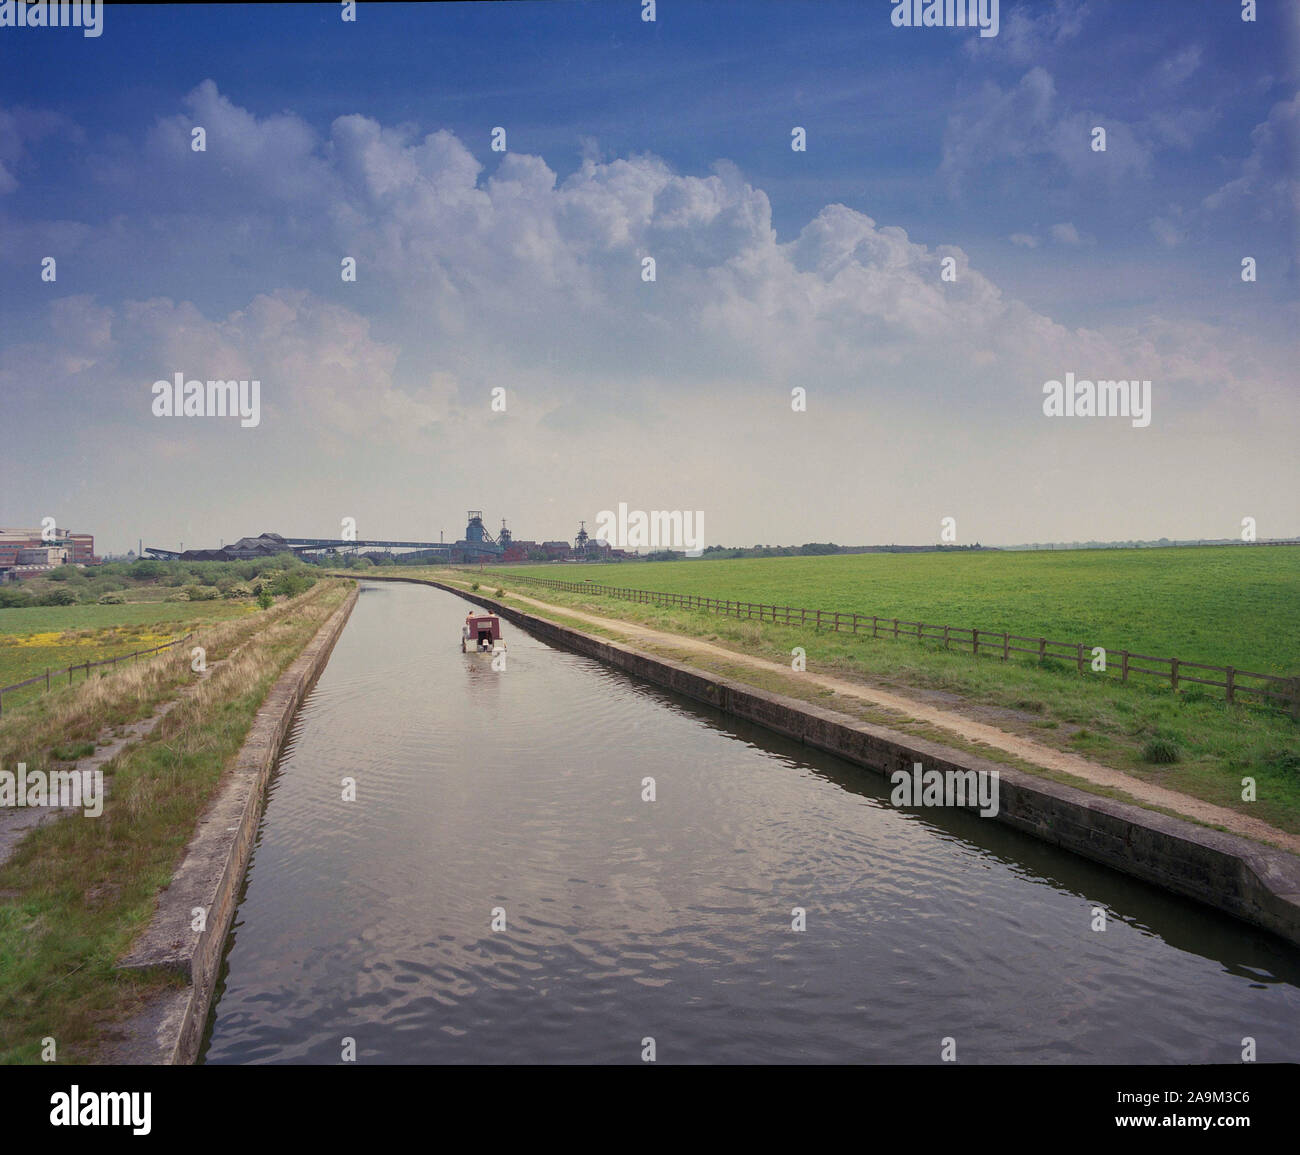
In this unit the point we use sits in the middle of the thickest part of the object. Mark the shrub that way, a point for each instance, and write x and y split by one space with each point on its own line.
1285 760
292 582
15 599
264 599
474 586
59 575
111 599
1161 751
58 597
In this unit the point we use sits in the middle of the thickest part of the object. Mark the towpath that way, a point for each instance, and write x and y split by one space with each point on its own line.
970 729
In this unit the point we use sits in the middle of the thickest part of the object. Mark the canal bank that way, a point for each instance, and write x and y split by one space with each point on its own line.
1252 882
188 931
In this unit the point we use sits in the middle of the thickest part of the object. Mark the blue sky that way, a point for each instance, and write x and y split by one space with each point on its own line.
1118 264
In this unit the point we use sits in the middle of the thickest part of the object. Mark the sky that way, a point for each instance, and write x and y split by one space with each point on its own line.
948 241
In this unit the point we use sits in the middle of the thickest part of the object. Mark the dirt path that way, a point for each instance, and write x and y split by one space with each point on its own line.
1033 752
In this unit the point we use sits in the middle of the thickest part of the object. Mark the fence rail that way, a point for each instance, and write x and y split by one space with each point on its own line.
996 642
45 677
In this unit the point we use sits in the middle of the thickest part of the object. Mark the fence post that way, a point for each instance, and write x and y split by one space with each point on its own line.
920 631
47 678
1173 673
819 620
895 627
1042 648
945 637
1006 645
875 626
1232 677
975 641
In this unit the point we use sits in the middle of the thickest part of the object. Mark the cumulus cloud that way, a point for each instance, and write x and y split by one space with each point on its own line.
19 129
1178 67
1269 180
1024 125
1030 32
474 274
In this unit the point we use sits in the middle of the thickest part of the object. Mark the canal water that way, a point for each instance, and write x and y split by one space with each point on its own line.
520 792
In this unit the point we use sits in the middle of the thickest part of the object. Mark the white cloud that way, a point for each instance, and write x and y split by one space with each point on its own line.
21 127
1269 182
521 279
1173 70
1024 124
1030 32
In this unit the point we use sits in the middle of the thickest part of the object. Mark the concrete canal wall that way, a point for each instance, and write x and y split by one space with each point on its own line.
212 872
1256 883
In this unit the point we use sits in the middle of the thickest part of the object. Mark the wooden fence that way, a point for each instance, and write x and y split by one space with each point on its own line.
998 643
45 677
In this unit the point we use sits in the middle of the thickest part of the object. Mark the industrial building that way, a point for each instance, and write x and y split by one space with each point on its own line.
26 551
477 546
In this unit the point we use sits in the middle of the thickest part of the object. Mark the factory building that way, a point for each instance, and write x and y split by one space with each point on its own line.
25 551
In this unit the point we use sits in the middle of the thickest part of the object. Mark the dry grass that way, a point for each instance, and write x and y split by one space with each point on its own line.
77 892
122 694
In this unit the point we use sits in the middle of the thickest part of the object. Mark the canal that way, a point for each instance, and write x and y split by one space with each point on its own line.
516 796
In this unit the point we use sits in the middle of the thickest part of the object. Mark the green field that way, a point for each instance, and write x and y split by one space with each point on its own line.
1225 605
44 638
155 607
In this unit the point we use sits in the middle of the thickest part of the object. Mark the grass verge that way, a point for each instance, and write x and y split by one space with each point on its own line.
77 891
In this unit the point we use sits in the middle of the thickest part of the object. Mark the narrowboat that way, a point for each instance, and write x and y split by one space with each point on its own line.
481 634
